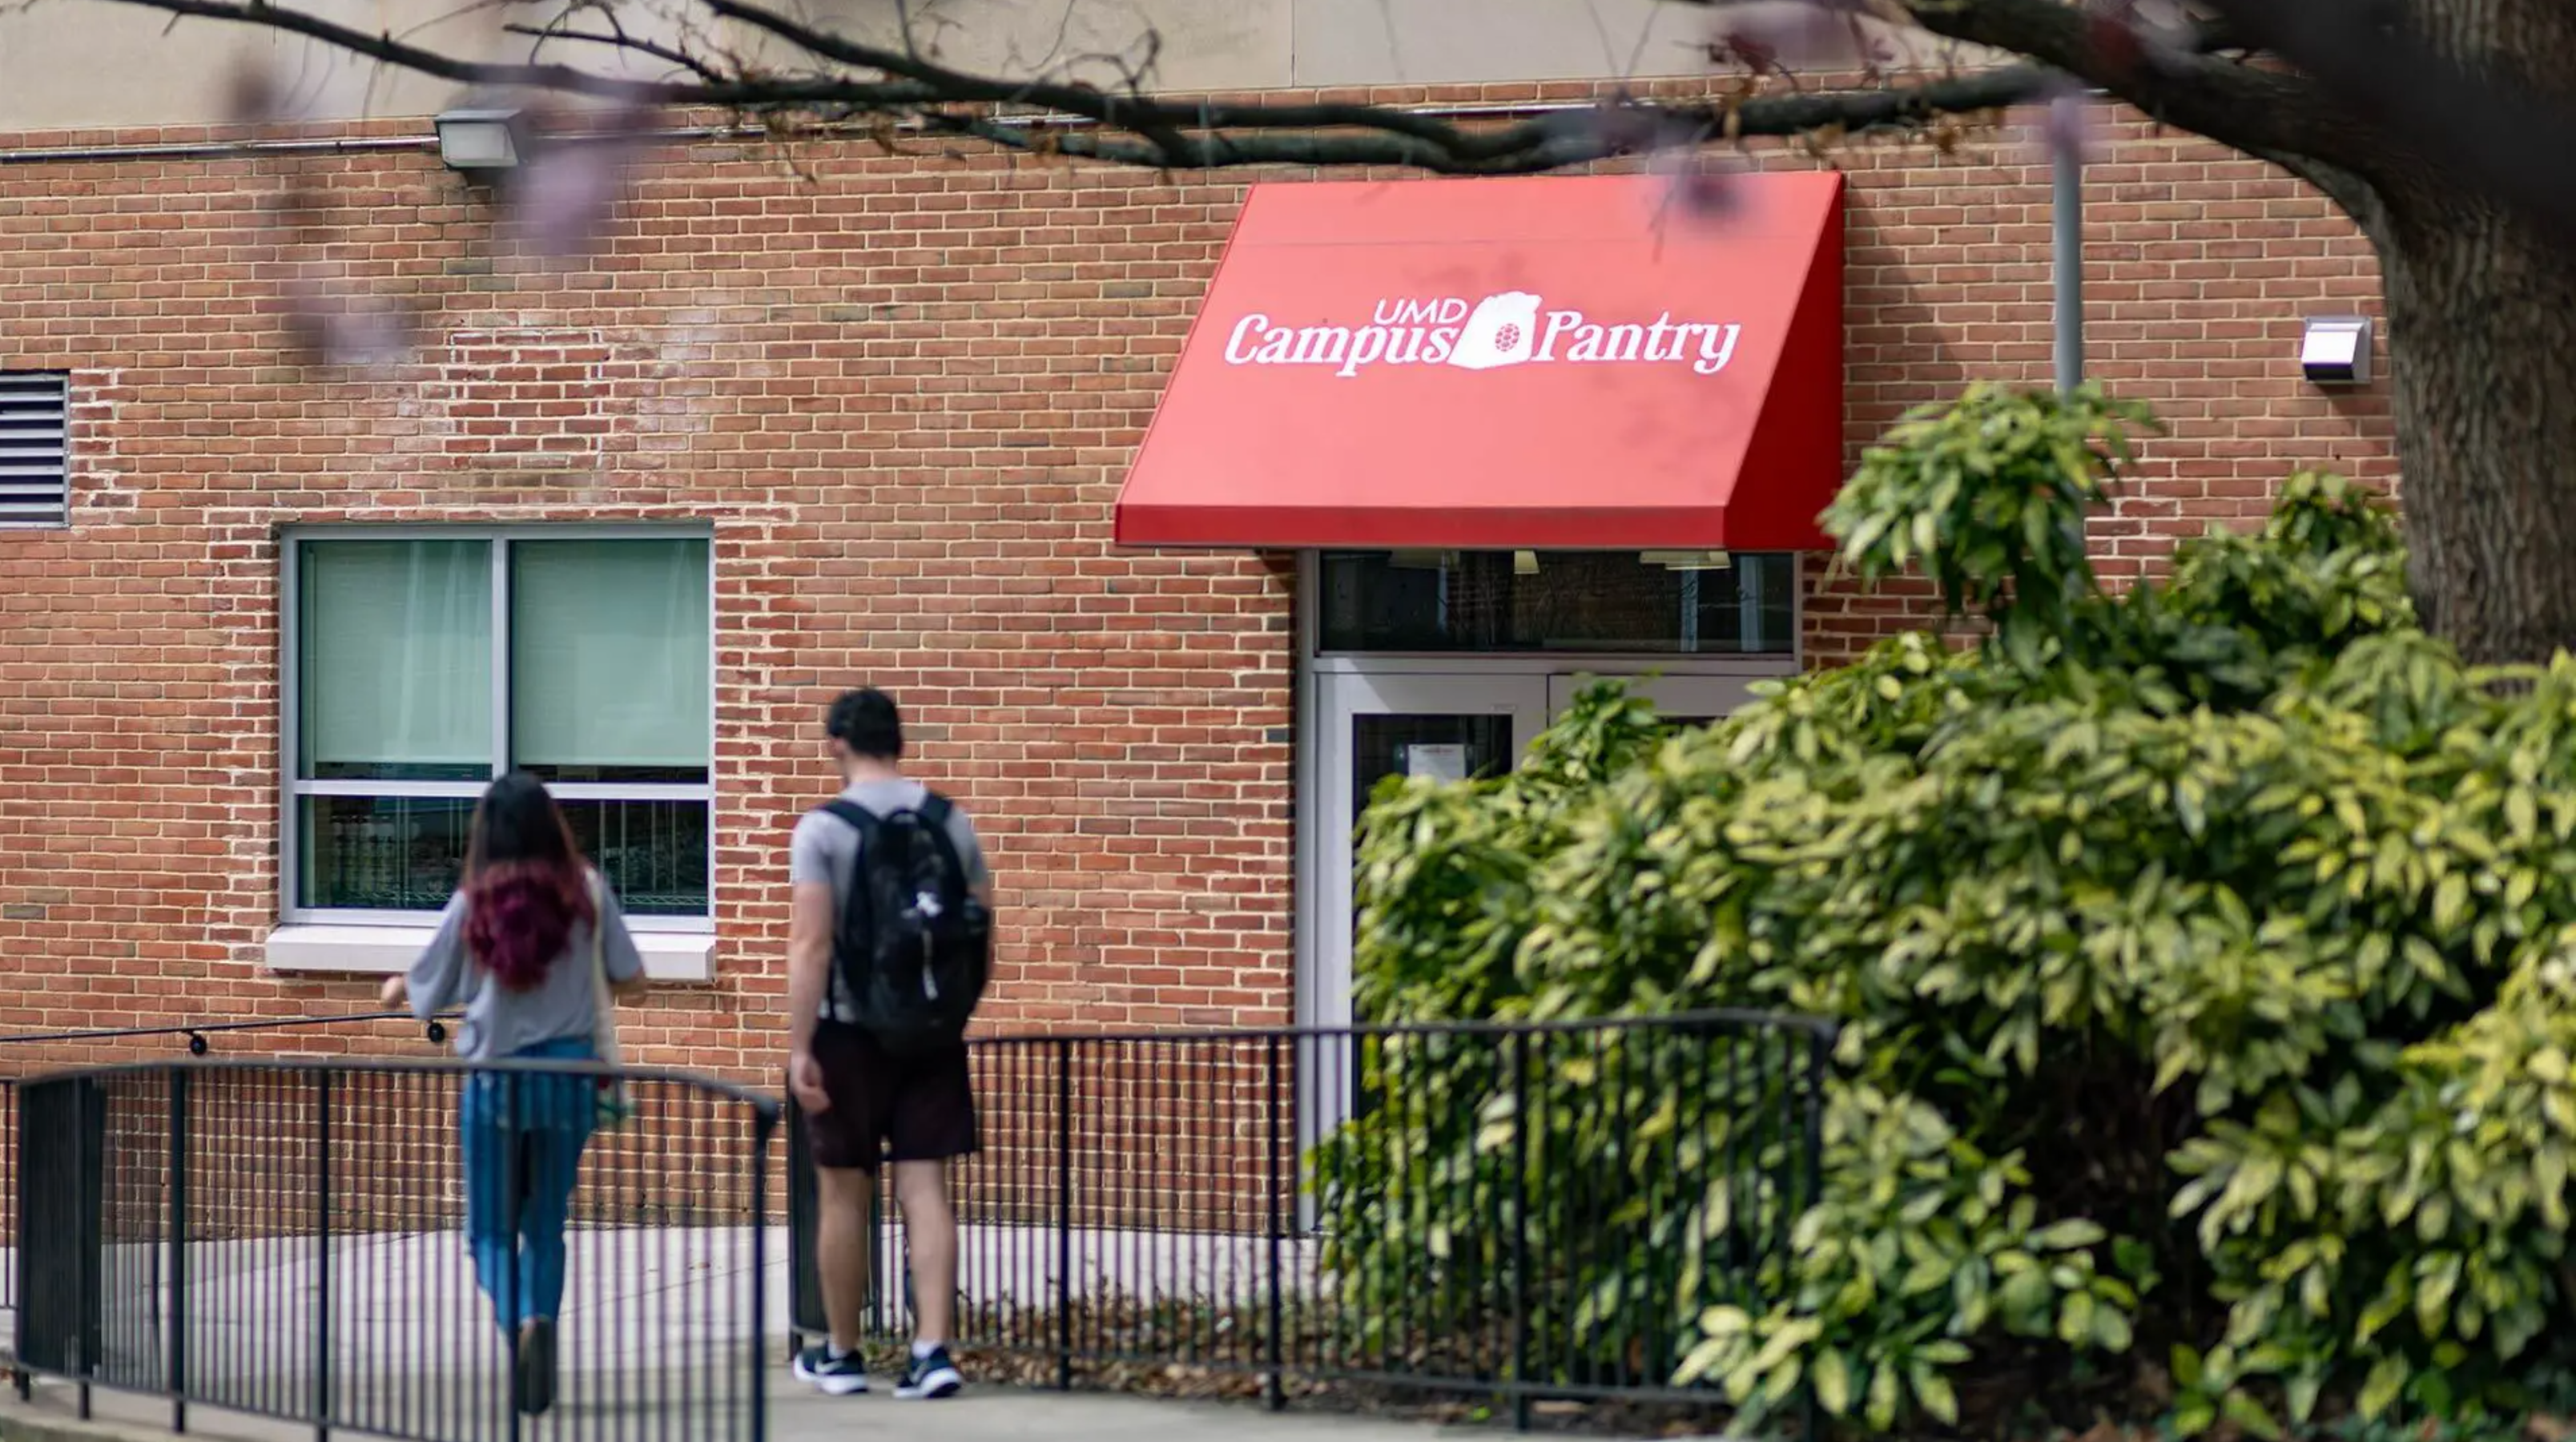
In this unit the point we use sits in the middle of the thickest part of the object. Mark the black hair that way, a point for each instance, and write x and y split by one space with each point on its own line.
518 820
525 882
865 721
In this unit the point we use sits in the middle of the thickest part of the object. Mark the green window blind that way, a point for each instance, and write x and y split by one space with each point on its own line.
396 657
610 653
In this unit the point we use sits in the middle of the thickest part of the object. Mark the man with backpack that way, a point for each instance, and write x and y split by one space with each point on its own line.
889 948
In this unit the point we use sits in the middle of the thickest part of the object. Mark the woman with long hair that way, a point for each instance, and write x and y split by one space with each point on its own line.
523 947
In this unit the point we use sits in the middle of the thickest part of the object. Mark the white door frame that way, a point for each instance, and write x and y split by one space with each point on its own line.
1534 686
1679 684
1343 697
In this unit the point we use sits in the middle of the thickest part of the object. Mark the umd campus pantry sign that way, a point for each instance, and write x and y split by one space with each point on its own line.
1512 328
1549 362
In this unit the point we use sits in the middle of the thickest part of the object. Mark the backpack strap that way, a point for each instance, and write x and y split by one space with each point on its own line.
859 818
934 812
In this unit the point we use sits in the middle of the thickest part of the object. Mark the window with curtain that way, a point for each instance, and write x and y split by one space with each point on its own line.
425 666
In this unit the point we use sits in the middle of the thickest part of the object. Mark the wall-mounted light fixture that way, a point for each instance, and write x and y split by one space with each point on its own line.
2334 350
481 140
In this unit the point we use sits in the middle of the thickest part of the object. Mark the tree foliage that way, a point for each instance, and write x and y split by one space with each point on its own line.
2203 954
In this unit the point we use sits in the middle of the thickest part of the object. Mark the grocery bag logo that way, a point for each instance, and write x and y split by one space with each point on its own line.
1501 331
1510 328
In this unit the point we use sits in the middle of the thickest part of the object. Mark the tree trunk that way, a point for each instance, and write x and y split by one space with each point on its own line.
2482 327
2482 332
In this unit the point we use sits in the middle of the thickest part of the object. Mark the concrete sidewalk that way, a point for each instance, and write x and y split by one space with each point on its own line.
797 1414
410 1339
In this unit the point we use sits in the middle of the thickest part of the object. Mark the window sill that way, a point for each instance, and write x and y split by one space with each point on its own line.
308 950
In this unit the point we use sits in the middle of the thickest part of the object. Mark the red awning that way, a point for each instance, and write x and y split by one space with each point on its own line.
1562 362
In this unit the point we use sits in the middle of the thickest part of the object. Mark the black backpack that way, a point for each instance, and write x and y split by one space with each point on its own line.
914 948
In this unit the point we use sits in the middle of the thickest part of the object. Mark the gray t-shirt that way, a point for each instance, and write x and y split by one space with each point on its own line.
826 848
501 1023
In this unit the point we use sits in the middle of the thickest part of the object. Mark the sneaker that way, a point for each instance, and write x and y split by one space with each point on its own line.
840 1374
537 1367
927 1378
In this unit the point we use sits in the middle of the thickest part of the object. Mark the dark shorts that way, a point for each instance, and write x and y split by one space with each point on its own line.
886 1107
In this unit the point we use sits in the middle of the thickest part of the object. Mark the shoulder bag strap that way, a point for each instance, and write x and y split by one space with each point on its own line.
603 1037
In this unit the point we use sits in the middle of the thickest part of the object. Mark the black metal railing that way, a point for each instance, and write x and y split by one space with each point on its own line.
1525 1212
295 1239
26 1053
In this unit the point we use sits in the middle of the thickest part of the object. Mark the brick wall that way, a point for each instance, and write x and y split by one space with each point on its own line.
2199 268
903 390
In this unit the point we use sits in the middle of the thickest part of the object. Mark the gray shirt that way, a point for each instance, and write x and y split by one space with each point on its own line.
500 1023
826 848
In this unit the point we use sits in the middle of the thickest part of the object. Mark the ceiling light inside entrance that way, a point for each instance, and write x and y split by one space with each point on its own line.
1686 560
1422 560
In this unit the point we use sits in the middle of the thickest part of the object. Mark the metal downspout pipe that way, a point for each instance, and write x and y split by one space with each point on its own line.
2066 214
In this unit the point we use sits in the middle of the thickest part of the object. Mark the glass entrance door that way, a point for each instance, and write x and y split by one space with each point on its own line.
1374 725
1452 726
1377 725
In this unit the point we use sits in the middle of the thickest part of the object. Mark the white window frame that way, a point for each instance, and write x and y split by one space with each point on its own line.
292 787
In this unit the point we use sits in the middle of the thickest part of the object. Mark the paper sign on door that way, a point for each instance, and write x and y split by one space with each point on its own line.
1440 763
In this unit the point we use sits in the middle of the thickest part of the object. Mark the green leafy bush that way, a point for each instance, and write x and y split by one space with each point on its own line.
2204 956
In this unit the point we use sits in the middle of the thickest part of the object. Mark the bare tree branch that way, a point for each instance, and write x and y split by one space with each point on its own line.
2495 130
2369 103
1531 146
2248 107
1142 130
617 39
738 93
678 58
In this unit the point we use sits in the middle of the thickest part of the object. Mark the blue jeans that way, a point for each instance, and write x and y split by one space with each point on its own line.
527 1130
